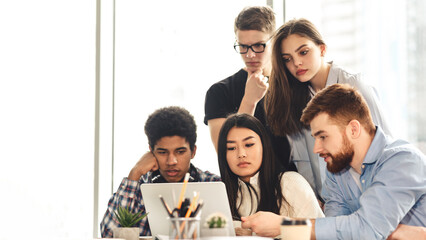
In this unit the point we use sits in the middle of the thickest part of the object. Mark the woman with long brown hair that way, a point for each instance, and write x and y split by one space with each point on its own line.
299 70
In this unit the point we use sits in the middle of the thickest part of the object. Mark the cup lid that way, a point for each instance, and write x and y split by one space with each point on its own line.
296 222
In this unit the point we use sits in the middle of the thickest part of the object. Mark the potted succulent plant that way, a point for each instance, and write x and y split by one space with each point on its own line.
128 220
215 225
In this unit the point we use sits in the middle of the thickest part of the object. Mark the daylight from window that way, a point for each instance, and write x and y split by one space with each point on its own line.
156 54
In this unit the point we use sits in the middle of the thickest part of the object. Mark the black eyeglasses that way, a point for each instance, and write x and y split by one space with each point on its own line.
256 48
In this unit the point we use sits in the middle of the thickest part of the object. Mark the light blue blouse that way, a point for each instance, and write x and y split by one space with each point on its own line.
393 183
309 164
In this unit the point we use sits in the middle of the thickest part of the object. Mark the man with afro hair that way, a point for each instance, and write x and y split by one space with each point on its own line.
171 133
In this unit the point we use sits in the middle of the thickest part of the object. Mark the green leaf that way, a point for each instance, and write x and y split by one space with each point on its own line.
212 223
216 222
219 223
128 219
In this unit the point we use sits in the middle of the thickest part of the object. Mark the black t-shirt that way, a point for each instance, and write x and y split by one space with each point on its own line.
224 98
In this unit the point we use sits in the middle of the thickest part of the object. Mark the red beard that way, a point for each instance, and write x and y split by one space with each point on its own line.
340 160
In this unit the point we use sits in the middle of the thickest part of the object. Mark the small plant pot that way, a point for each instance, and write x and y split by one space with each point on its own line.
207 232
131 233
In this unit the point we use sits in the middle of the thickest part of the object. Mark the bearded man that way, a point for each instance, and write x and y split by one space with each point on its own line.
375 186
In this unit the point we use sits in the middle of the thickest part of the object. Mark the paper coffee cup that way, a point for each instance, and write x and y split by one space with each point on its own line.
292 229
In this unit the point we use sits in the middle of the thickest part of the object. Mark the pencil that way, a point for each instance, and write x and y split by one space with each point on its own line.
169 211
192 206
193 203
198 209
182 192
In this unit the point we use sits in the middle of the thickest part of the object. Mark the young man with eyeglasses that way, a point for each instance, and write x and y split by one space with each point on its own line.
243 92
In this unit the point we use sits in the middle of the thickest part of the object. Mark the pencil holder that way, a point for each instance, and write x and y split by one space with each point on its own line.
184 228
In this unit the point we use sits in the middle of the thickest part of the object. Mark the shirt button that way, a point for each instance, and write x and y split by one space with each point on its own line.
363 181
363 166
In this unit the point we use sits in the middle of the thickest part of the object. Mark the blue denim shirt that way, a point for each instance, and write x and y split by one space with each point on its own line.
393 191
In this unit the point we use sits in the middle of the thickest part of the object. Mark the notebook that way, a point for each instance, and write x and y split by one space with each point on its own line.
213 195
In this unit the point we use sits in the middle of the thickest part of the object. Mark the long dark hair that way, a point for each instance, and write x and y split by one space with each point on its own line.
286 96
271 197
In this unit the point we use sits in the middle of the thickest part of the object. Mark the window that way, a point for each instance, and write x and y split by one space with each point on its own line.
167 63
47 93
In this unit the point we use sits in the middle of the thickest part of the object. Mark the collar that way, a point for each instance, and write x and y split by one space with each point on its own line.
253 180
333 75
376 147
332 78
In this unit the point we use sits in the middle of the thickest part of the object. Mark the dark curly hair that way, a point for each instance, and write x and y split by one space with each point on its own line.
171 121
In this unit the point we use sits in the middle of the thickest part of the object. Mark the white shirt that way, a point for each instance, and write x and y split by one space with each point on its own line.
301 200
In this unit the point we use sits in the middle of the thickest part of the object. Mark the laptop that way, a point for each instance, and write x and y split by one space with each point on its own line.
213 195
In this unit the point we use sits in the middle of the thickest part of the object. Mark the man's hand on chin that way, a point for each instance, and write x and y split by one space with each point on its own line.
146 163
